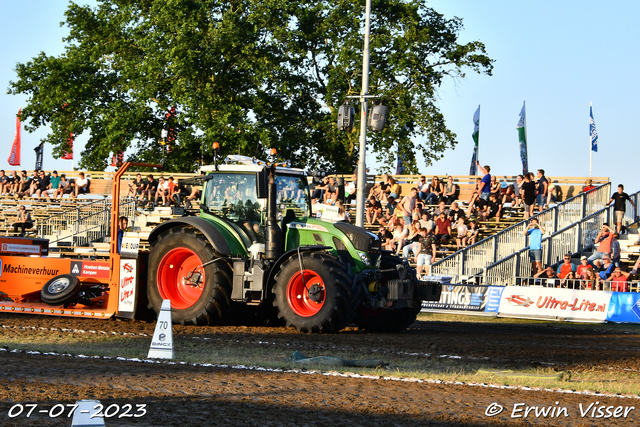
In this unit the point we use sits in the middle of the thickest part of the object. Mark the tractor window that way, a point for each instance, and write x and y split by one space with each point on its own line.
293 194
233 197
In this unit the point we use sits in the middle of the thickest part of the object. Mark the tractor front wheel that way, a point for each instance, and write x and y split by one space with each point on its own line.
313 293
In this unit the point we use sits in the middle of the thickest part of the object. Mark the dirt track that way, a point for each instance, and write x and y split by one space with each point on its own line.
188 395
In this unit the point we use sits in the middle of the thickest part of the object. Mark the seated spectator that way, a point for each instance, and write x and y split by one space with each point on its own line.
455 212
441 209
546 277
416 214
23 186
461 230
393 190
378 189
82 185
443 228
490 210
588 186
615 249
607 268
374 211
495 187
162 191
191 193
411 242
590 281
506 194
472 234
54 183
384 235
426 251
137 187
475 196
342 215
350 189
151 188
23 221
566 266
43 184
618 280
435 190
4 183
396 243
422 187
426 222
15 183
320 188
451 191
331 191
570 281
390 211
34 184
581 270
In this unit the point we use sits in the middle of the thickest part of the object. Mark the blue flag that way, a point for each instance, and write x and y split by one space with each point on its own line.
593 133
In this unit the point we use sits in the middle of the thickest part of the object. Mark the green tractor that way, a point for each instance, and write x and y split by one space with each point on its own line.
255 243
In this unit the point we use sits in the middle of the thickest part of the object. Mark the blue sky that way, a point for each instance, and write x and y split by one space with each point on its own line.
556 56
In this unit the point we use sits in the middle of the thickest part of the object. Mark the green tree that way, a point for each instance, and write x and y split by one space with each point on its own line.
249 74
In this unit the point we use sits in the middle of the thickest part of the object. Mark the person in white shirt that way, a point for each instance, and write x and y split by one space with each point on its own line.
82 185
162 191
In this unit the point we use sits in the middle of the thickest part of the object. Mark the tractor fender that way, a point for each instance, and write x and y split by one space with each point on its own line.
276 267
213 235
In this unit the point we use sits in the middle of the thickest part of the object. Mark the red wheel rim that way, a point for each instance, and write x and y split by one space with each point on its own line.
173 278
298 294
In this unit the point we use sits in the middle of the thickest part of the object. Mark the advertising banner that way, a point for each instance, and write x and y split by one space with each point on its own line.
127 288
544 303
493 299
459 297
624 307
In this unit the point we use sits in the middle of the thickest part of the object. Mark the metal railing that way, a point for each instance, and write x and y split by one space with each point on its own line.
84 224
576 284
472 260
574 239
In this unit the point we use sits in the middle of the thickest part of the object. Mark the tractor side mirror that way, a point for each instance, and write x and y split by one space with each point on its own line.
262 182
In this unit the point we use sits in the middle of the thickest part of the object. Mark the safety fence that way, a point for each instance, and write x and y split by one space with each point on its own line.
84 224
473 259
574 239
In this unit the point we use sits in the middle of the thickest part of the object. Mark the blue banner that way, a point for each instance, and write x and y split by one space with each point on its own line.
624 307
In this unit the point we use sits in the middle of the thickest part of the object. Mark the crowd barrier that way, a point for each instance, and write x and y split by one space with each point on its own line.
537 302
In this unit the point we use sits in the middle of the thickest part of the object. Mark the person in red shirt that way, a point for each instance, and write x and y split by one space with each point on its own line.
443 227
581 270
619 280
604 238
566 267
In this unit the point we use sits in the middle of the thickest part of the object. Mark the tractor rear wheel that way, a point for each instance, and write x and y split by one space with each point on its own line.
313 293
392 319
199 295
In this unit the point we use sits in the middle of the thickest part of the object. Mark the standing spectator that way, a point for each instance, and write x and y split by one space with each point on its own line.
588 186
528 193
566 267
620 205
516 191
443 228
541 189
123 222
615 249
426 251
374 211
81 185
451 191
485 182
618 280
535 232
435 190
23 221
552 191
604 239
407 205
581 270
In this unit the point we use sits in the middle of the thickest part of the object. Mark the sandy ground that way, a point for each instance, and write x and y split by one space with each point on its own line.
172 395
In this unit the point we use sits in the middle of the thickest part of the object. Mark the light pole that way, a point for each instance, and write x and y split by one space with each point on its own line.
362 171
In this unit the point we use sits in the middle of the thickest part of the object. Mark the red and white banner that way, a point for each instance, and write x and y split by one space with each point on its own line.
69 155
14 156
545 303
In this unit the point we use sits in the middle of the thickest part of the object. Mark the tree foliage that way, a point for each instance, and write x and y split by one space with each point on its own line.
249 74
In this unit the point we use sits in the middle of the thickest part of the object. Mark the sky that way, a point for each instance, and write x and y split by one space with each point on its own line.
558 57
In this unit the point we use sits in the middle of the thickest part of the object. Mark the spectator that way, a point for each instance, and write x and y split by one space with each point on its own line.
15 182
416 214
374 211
407 205
618 280
541 189
426 251
461 230
528 194
4 183
122 227
411 242
426 222
451 191
423 188
350 189
24 184
34 184
455 212
495 187
320 188
620 206
63 186
570 281
136 187
588 186
384 235
378 189
443 228
607 268
615 249
545 277
472 234
604 239
23 221
331 192
54 183
43 185
517 197
475 194
391 211
581 270
590 280
82 185
491 209
151 188
162 191
393 190
396 243
342 215
481 195
435 190
535 232
552 191
192 193
566 267
441 209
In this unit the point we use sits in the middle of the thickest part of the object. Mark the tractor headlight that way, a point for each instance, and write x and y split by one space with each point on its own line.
364 257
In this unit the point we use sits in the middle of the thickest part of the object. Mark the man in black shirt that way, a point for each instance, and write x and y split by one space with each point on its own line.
620 206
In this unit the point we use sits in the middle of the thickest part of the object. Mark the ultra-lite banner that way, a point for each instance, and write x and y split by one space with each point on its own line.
539 302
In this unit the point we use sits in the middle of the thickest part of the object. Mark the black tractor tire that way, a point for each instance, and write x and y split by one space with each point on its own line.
388 320
172 257
319 301
60 290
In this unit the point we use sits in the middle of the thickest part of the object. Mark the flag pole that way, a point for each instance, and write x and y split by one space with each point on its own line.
590 150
